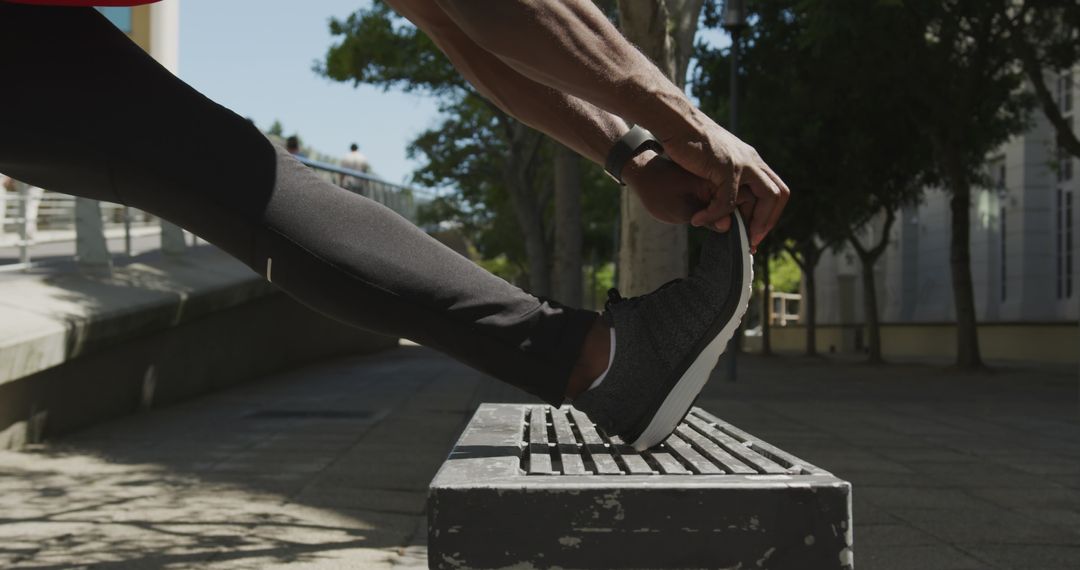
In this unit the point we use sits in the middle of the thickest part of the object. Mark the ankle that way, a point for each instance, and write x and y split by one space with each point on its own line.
593 360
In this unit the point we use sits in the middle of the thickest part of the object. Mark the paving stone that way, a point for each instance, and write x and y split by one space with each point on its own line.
334 496
867 513
1041 496
961 475
924 557
889 497
922 453
1067 519
990 524
891 535
1029 557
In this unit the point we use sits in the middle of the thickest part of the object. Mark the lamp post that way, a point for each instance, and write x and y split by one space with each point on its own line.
734 23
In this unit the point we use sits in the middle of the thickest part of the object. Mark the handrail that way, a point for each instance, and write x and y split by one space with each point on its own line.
30 207
329 167
398 197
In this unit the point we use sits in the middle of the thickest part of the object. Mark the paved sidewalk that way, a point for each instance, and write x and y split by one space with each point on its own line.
327 467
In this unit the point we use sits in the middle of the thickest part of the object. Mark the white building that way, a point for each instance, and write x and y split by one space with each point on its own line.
1024 257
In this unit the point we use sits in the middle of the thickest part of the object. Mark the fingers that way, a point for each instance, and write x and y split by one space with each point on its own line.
722 225
785 195
746 206
719 208
766 193
721 204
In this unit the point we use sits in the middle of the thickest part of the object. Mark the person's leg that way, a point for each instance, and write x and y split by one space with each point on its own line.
86 112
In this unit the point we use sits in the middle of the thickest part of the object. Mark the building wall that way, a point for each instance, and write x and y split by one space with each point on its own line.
1019 236
153 27
1033 342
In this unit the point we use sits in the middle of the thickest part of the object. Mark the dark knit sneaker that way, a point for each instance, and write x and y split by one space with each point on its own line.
668 342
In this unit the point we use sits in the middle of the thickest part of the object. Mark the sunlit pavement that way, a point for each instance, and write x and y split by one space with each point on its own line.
327 467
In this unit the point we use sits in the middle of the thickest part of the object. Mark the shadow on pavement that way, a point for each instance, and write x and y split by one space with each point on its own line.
328 466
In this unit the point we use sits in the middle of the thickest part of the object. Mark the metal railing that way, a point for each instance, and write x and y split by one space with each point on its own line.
405 200
784 308
31 217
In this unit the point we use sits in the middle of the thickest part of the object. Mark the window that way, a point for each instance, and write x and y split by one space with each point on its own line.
1064 243
120 17
1064 168
997 175
1064 91
1068 244
1003 257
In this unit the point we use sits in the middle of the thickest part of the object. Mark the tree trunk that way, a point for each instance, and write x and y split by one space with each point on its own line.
870 309
766 306
567 276
867 259
967 335
530 219
1033 68
652 253
519 175
806 256
539 279
810 254
810 307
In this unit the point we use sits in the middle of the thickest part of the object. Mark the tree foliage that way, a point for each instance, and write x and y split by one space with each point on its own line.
1045 39
497 169
859 105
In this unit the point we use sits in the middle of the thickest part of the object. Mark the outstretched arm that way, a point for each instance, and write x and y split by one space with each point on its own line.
670 193
570 46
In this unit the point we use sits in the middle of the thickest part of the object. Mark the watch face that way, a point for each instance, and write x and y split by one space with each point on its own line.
636 141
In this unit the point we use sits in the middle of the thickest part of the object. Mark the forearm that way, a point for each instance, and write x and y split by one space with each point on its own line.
582 54
577 124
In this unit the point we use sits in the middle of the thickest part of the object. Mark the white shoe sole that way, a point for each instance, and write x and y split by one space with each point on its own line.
682 395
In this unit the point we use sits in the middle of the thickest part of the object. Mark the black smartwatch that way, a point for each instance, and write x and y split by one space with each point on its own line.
636 141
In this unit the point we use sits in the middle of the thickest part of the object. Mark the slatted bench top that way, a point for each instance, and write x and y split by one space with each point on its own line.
564 442
543 487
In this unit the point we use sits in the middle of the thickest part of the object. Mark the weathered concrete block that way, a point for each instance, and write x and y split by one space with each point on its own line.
536 487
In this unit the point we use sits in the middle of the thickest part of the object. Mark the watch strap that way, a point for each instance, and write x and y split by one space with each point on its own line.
636 141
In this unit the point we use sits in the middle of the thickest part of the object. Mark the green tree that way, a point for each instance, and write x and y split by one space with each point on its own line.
968 102
478 149
276 129
566 277
835 124
1045 39
878 168
781 105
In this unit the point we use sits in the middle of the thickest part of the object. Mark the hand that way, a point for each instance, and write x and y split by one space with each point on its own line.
668 192
739 178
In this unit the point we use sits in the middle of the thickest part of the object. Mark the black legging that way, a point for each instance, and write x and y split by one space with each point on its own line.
84 111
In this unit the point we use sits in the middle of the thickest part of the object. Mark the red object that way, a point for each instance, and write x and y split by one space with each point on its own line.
85 2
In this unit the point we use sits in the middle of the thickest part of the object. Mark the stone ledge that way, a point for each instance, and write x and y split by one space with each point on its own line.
49 317
77 347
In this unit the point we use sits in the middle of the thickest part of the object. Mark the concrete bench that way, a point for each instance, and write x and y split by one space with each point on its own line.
537 487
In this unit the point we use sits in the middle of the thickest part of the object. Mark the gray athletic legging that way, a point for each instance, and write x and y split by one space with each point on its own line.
84 111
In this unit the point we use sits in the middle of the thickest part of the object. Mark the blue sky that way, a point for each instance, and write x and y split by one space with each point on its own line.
255 57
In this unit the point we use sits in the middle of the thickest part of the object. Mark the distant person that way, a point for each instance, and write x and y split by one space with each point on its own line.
355 160
292 144
561 67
